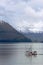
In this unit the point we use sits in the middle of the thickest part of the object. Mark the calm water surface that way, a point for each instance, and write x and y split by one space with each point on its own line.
14 54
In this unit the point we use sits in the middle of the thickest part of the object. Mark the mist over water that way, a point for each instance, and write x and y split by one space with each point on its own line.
14 54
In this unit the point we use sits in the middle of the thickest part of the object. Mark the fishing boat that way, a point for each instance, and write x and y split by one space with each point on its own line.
30 52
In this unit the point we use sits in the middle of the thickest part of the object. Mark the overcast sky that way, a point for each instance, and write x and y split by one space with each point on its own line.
23 14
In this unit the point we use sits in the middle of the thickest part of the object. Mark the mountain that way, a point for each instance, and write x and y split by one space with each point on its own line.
35 37
9 34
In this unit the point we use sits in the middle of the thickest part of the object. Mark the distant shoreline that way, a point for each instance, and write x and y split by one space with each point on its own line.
7 42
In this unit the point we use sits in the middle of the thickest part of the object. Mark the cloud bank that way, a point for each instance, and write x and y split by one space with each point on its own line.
23 14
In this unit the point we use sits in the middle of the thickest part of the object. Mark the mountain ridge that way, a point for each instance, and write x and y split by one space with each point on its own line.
35 37
9 34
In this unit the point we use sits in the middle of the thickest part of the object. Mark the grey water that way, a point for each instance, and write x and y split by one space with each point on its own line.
15 54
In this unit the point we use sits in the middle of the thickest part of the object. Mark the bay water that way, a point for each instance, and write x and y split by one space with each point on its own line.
15 54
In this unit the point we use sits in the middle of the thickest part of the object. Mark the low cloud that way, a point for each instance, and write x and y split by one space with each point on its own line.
23 14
